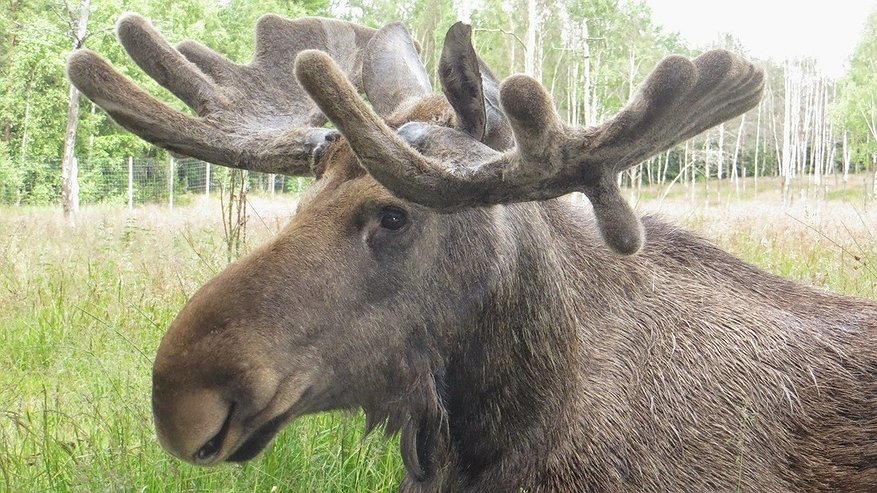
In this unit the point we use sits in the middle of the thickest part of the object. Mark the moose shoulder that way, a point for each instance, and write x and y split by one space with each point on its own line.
431 277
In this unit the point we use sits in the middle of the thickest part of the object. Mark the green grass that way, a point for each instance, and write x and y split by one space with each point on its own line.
82 312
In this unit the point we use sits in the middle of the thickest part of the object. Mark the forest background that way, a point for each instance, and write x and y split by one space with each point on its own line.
591 55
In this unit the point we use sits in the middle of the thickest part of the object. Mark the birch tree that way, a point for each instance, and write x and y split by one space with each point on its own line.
530 54
69 165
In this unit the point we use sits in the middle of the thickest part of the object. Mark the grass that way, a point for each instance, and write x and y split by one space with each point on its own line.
831 244
83 311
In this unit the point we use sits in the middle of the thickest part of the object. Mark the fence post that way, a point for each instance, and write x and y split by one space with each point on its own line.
130 183
207 181
271 178
171 183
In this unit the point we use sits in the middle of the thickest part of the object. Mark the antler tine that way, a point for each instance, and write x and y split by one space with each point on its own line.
680 99
252 116
458 59
545 163
386 154
151 51
392 74
472 90
211 63
138 111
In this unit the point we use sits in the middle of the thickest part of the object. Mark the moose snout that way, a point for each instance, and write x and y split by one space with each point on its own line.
205 420
192 425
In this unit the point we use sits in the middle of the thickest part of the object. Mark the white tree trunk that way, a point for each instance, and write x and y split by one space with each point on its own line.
720 164
69 166
689 168
734 174
874 181
666 165
757 141
706 163
649 170
831 143
871 120
777 148
847 157
804 143
590 116
573 93
530 56
791 105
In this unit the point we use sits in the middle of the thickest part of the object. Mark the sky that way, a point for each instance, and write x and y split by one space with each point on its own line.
779 29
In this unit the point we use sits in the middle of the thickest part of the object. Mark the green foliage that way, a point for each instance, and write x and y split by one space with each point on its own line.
857 97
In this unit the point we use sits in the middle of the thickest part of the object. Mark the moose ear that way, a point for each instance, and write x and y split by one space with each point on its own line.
392 73
472 90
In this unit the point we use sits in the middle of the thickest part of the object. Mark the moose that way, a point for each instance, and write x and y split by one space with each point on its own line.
432 277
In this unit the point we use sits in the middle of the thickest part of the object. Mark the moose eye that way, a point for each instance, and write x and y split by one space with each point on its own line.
393 218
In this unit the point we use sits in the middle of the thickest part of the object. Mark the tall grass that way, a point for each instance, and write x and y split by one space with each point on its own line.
82 312
827 244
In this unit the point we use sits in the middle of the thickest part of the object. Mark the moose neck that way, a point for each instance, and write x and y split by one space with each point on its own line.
510 382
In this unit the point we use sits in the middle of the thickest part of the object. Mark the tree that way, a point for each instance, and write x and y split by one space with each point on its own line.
69 166
856 109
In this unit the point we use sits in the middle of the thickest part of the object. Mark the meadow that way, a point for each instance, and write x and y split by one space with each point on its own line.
82 312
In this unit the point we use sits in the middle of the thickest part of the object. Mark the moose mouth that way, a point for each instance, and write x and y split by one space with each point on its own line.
242 437
260 438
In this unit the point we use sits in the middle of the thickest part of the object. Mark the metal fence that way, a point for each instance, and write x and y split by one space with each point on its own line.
131 181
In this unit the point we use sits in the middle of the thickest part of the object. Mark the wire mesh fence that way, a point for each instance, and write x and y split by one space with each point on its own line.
129 182
135 181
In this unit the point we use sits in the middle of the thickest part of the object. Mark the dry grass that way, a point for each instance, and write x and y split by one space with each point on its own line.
827 243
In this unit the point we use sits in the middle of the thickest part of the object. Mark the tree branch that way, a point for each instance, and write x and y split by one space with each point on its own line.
507 33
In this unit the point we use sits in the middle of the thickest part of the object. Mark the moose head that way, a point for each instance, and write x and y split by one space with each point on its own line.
428 276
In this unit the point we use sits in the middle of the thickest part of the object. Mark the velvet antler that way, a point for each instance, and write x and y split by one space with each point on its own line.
472 90
252 116
680 99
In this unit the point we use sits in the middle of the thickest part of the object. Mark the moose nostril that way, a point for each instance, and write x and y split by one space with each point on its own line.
210 449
